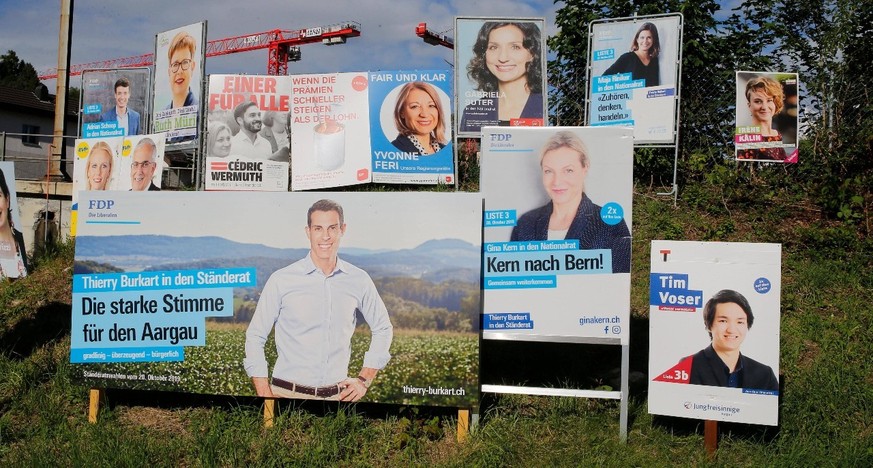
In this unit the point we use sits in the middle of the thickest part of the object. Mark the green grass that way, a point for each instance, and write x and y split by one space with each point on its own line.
826 412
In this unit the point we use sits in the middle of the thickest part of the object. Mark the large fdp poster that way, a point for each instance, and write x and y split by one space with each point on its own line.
500 73
557 231
766 117
115 102
352 296
714 331
634 79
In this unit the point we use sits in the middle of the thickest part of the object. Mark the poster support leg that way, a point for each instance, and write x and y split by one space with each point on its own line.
269 411
675 190
625 370
463 424
96 395
710 437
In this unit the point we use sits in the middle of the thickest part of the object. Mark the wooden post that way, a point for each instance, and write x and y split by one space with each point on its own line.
463 424
95 396
269 411
710 437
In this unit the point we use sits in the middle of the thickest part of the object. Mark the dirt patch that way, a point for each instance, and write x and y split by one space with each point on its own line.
156 419
809 353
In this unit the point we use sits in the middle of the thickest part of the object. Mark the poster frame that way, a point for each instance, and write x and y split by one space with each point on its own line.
460 44
678 75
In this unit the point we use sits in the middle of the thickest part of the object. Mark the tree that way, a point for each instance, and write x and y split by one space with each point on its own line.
17 73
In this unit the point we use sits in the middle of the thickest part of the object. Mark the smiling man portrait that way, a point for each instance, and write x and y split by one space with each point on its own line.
728 318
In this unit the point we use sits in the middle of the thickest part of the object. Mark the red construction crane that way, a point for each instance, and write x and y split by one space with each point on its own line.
282 44
434 38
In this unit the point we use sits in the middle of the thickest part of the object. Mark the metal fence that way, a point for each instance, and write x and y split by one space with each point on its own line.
34 161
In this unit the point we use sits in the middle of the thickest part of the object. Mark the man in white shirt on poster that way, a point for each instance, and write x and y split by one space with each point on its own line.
312 304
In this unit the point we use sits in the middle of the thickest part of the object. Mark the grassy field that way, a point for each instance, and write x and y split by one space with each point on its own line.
826 409
217 367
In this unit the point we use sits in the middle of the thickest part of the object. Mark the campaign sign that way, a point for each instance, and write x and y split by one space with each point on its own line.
117 163
179 63
114 102
557 224
13 254
493 57
411 127
714 331
169 296
331 130
247 133
766 108
634 79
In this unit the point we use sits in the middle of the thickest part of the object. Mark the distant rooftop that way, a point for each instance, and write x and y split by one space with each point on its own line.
29 100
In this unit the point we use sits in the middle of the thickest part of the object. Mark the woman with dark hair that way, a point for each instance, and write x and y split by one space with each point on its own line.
419 118
507 69
728 318
642 60
13 258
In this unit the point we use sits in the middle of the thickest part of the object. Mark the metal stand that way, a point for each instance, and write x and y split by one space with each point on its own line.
621 395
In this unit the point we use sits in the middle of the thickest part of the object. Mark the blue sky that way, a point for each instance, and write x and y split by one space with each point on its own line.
104 29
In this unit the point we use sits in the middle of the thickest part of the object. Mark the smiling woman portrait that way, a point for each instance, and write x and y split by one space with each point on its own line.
180 67
99 166
420 119
642 60
506 68
765 98
570 214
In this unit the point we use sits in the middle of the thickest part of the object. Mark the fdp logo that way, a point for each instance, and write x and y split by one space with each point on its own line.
501 136
82 149
100 204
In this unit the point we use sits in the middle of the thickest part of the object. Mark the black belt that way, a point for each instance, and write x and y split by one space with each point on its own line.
321 392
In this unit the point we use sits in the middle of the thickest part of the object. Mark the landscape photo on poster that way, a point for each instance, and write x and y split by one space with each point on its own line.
165 290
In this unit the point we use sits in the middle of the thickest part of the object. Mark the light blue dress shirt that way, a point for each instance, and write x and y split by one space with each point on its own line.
314 317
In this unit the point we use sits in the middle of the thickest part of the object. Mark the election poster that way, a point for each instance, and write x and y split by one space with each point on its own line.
634 77
714 331
247 133
134 163
115 102
500 73
766 117
411 127
557 233
331 130
13 254
179 58
336 287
